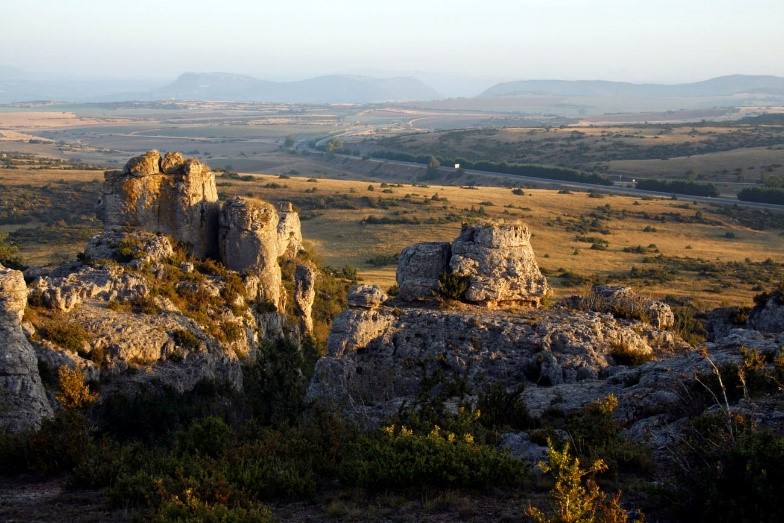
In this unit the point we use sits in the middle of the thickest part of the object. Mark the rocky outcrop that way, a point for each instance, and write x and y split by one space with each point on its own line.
23 403
249 243
768 314
169 195
625 303
64 290
499 264
377 355
289 231
495 263
419 269
305 294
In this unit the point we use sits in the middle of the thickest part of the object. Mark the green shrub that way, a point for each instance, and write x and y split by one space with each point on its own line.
623 354
596 435
398 458
185 339
65 333
730 477
500 408
576 497
453 286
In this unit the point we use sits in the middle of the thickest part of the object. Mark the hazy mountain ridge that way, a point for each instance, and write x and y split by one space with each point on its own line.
19 86
321 89
719 86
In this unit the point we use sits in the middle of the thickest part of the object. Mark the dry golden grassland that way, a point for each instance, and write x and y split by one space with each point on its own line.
662 227
710 254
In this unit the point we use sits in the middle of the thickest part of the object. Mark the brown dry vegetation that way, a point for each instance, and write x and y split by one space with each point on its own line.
682 230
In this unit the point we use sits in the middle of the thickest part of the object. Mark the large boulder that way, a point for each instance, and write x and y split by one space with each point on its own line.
419 268
170 195
23 403
498 264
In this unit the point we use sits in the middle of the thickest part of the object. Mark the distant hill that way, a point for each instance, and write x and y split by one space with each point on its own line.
721 86
322 89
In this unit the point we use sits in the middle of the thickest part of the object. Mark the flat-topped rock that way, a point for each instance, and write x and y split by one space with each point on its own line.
495 262
499 264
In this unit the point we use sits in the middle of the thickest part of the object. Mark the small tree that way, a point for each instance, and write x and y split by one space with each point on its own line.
576 496
74 393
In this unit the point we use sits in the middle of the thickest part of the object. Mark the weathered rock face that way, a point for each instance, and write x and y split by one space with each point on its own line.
768 316
23 403
305 294
289 231
142 245
249 243
495 260
499 263
65 291
366 296
419 267
168 195
624 302
378 358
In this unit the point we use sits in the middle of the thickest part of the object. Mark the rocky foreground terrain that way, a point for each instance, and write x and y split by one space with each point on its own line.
182 289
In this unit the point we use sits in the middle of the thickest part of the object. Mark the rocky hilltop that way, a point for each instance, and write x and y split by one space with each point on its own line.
466 318
148 294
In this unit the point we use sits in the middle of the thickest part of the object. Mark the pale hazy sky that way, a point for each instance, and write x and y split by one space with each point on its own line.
488 40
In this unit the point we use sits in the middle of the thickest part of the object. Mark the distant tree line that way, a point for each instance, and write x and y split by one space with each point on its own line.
533 170
760 194
679 187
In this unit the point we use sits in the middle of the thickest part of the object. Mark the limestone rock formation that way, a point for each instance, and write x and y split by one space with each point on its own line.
65 290
23 403
370 352
768 314
169 195
305 294
366 296
289 231
499 263
419 268
495 261
248 242
625 303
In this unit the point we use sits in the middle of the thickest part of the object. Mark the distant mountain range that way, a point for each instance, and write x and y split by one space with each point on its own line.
721 86
322 89
17 85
